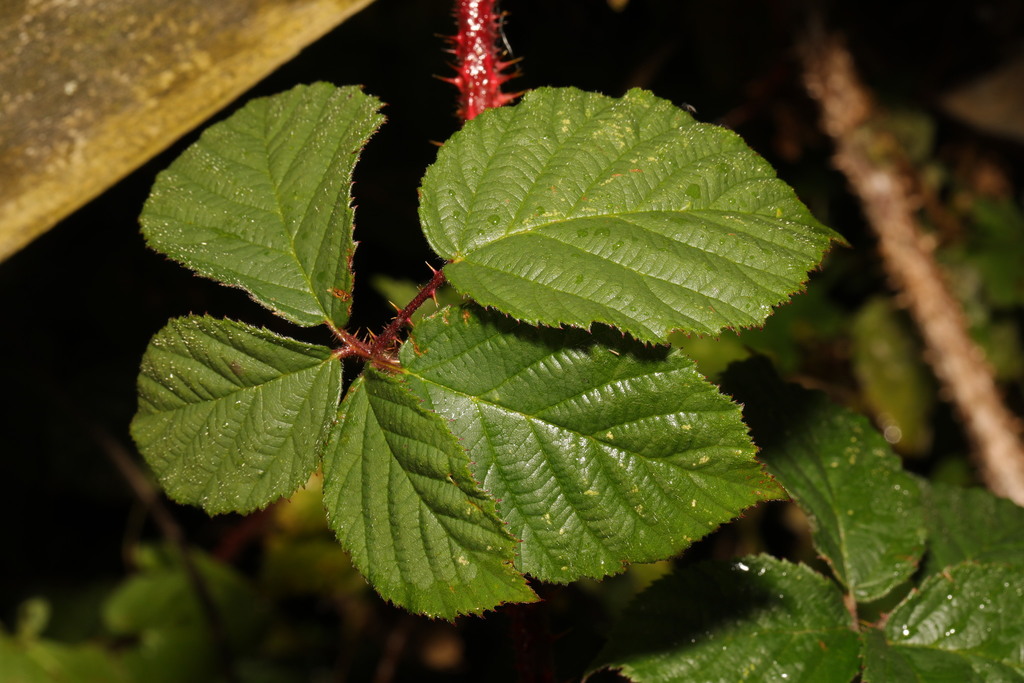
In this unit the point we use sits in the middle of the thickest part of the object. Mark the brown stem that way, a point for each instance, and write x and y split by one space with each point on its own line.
480 75
169 528
353 345
872 162
850 602
394 648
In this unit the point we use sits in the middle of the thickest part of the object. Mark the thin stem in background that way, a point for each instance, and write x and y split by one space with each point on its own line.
169 528
531 637
872 163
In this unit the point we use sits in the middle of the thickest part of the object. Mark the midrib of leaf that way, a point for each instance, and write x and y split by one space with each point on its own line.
247 239
266 142
573 295
527 369
310 132
413 481
630 216
603 177
203 367
740 269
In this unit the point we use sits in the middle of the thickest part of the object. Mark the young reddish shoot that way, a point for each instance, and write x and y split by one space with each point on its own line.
480 71
381 349
384 344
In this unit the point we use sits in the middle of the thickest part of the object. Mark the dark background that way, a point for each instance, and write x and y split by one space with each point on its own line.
79 304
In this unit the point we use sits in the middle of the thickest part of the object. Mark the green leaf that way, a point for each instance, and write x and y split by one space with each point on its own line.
573 207
400 497
159 610
889 365
865 511
755 619
162 596
232 417
46 661
601 451
964 625
996 249
262 201
971 524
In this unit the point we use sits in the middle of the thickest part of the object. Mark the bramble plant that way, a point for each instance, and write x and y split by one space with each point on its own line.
570 208
571 453
544 427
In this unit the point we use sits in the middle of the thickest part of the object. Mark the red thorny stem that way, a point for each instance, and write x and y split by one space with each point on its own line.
380 350
479 77
478 64
385 342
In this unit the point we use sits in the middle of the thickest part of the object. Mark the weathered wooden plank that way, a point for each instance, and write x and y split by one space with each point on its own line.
91 89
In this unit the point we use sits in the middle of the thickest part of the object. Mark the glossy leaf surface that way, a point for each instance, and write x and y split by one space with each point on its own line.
963 625
865 511
573 207
601 451
232 417
755 619
262 201
400 497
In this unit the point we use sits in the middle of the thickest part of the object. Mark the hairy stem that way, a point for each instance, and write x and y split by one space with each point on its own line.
873 163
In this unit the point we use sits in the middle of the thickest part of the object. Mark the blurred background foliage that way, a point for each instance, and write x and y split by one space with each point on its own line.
91 591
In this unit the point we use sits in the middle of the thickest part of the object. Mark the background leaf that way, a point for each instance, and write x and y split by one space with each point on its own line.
400 497
262 200
159 609
46 661
971 524
601 451
865 511
755 619
963 625
232 417
898 386
573 207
